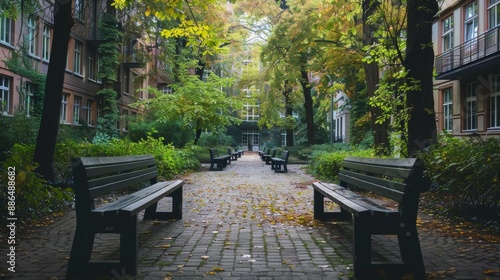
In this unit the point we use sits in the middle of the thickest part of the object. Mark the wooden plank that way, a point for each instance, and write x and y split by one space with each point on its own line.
371 184
105 189
146 201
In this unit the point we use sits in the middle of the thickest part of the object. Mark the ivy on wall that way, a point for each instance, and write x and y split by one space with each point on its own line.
112 36
23 65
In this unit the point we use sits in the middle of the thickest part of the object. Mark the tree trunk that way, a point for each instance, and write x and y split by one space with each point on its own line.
49 125
380 136
288 113
419 62
308 106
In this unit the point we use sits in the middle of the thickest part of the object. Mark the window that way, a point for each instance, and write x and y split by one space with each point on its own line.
64 107
283 138
251 111
125 120
77 66
31 36
93 65
495 102
5 95
447 35
471 103
494 13
447 109
77 103
471 21
87 112
79 10
250 137
28 102
5 28
46 43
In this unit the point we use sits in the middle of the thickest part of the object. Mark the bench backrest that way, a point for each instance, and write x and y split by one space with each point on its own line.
398 179
98 176
213 153
285 154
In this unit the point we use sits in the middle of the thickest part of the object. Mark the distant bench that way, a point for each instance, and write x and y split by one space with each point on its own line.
278 162
219 161
96 177
234 155
400 180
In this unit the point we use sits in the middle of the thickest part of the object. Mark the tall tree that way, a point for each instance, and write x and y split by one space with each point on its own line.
419 63
372 68
49 125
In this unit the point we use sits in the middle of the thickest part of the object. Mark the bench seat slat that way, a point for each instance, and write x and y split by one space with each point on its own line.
354 203
146 201
115 206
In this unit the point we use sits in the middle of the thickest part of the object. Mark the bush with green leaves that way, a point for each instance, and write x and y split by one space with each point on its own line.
19 129
35 198
326 165
466 170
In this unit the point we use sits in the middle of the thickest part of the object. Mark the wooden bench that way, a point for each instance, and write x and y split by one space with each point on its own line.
278 162
234 155
400 180
217 160
96 177
263 152
267 157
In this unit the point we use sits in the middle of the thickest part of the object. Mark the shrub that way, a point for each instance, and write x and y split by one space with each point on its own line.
35 197
326 165
467 171
18 129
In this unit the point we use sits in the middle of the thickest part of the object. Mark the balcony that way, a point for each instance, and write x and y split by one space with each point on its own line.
482 52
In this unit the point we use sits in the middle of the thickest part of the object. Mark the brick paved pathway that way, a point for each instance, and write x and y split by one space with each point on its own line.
247 222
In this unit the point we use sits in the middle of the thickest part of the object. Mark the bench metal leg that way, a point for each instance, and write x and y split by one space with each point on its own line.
128 246
411 254
81 251
319 209
151 212
361 246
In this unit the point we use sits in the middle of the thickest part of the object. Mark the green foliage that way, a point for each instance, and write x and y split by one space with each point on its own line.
325 165
215 139
112 36
466 170
197 104
18 129
35 198
106 125
22 64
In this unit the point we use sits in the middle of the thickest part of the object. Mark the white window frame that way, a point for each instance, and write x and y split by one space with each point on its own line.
46 42
447 33
87 111
64 107
5 95
493 13
471 22
31 38
77 105
29 92
5 29
77 63
471 107
448 109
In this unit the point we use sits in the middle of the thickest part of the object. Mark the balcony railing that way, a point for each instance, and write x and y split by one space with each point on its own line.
470 51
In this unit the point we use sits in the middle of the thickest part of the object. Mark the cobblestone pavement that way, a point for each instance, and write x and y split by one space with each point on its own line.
247 222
